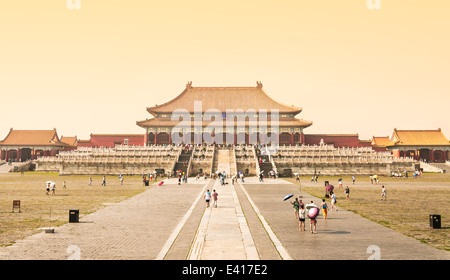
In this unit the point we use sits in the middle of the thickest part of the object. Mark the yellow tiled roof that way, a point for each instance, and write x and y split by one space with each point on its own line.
418 138
32 138
380 141
72 141
223 98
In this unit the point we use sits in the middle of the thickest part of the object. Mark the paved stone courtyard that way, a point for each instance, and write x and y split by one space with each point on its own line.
252 221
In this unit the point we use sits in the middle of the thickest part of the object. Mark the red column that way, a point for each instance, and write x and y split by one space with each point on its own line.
292 139
18 154
146 138
235 139
156 137
170 138
431 157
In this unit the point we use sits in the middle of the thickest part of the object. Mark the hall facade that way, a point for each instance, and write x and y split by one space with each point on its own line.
224 115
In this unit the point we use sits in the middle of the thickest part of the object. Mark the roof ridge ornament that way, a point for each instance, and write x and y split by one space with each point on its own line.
259 84
189 84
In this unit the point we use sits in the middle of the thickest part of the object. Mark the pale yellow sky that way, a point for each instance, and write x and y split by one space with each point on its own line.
351 69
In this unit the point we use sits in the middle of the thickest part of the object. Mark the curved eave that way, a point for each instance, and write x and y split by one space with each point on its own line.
165 122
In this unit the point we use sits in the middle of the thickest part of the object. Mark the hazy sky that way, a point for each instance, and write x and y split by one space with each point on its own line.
351 69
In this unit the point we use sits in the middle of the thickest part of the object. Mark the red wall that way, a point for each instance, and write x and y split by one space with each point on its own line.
337 141
112 140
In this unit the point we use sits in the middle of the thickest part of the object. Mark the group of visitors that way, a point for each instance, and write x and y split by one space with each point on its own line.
222 176
301 213
50 185
182 177
207 196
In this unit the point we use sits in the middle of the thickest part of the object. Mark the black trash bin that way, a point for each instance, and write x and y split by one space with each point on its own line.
147 183
435 221
74 216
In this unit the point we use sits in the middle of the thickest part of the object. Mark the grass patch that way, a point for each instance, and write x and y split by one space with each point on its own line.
36 205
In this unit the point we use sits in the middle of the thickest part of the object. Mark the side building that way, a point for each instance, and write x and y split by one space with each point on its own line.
23 145
424 145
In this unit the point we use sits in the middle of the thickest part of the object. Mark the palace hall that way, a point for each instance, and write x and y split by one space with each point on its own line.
224 115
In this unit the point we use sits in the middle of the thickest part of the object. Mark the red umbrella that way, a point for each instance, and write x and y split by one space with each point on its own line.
160 183
329 188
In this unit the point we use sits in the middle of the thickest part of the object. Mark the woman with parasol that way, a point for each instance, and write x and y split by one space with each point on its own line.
313 212
328 189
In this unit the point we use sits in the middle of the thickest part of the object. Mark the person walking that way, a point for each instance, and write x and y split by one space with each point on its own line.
214 197
383 193
53 186
312 224
324 207
47 187
333 201
90 181
207 197
301 218
347 193
64 185
296 205
353 179
104 181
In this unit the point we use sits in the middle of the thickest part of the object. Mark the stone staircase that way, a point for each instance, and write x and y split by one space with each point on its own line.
183 161
265 164
441 167
224 160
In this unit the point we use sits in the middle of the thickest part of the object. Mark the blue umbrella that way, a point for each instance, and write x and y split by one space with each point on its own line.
287 197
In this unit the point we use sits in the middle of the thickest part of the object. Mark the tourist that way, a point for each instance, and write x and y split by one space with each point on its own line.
324 207
53 186
64 185
298 178
353 179
179 179
301 218
104 181
347 193
47 187
371 179
207 197
214 196
383 193
242 176
300 204
296 206
312 178
90 181
340 184
333 201
312 224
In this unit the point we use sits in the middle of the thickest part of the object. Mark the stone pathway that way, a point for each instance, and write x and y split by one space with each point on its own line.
251 222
